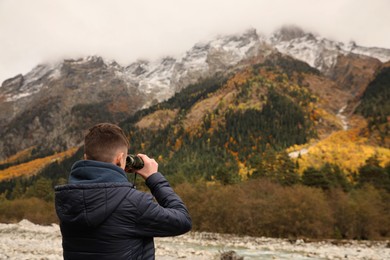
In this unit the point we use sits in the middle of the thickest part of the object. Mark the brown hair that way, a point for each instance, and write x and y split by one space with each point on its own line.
104 141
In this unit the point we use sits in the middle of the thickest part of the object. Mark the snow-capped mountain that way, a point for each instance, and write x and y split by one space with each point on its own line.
318 51
162 78
54 103
50 107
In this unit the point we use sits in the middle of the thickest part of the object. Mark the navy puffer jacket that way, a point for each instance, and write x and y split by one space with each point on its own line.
103 217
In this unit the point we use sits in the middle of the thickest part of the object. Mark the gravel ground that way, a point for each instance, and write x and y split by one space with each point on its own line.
26 240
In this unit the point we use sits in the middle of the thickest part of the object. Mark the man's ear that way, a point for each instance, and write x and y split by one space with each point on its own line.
118 159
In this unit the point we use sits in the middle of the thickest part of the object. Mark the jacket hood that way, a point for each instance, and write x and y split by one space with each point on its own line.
88 171
94 191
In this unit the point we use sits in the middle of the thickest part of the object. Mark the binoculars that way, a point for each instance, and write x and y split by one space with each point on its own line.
133 162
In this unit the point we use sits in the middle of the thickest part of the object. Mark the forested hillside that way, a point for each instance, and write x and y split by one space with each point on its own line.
375 106
220 129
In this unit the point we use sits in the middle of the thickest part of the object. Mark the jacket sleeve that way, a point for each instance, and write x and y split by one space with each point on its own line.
168 217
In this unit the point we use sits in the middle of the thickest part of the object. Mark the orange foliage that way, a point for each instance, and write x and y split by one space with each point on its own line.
178 144
157 120
34 166
348 149
18 156
239 79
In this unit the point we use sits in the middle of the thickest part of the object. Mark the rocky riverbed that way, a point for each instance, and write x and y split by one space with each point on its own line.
25 240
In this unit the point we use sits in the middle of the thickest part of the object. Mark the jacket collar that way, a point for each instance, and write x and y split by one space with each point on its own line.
89 171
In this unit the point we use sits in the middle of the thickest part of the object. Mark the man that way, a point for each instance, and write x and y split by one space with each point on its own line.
102 216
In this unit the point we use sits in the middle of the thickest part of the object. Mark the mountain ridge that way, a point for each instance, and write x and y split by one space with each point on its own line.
289 40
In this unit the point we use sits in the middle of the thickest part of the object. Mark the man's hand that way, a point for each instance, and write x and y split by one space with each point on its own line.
150 166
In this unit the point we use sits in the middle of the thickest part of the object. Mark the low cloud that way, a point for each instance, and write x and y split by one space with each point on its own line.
33 32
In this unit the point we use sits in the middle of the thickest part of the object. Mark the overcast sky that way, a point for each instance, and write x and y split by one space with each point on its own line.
37 31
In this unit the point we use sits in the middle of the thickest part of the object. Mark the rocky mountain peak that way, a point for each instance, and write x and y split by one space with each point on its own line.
90 62
15 82
317 51
288 33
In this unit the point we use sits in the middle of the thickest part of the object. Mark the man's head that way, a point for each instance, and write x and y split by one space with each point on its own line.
106 143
